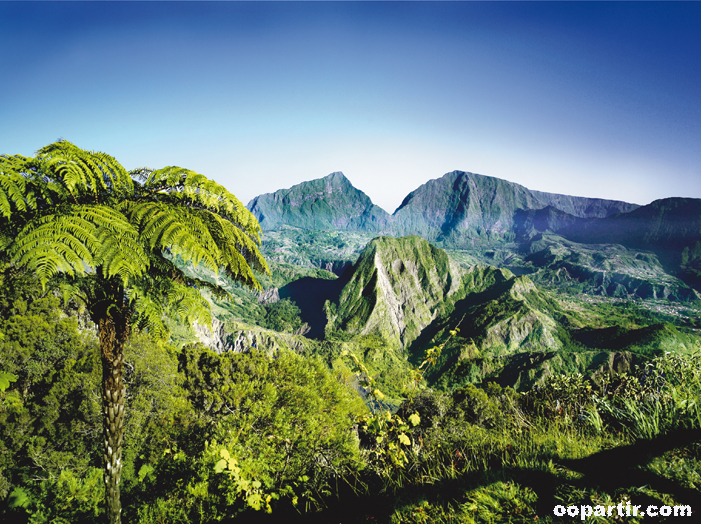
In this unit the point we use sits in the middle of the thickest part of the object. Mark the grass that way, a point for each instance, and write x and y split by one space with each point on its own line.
489 477
640 445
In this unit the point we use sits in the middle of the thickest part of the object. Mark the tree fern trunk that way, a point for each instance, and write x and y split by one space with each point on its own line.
113 331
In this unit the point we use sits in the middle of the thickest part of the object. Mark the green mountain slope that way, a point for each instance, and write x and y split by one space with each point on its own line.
602 269
395 289
411 293
329 203
461 208
510 315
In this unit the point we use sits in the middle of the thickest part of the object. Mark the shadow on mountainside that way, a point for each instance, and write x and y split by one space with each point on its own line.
462 309
310 294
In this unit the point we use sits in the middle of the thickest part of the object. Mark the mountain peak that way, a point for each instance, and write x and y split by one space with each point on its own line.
463 208
460 208
395 287
337 175
328 203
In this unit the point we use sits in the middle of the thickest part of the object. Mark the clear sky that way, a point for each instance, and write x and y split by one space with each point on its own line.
592 99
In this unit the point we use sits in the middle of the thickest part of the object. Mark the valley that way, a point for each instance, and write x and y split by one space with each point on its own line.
492 258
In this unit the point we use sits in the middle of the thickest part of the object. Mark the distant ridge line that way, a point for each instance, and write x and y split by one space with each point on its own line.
456 203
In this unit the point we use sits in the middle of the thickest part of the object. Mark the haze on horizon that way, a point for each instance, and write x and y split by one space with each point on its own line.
590 99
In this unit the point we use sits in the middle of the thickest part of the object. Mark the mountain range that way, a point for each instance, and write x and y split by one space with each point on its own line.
658 251
458 206
404 295
537 283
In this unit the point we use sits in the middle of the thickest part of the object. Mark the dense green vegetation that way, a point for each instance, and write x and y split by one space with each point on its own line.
483 387
106 237
211 437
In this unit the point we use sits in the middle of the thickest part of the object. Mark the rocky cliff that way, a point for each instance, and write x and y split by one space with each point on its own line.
396 288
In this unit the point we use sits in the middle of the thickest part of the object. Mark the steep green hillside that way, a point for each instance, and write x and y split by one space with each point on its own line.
329 203
396 289
409 294
495 321
408 291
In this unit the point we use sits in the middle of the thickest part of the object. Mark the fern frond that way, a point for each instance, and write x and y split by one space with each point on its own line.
13 185
240 253
77 240
119 250
163 267
187 303
107 232
56 244
156 299
176 229
83 172
196 190
5 240
149 313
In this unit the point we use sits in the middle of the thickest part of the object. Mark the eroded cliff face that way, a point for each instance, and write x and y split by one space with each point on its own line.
213 337
397 288
240 337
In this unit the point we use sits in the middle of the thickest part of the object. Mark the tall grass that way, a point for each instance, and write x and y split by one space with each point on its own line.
465 472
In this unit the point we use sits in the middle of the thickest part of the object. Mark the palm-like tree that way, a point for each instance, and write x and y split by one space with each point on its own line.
108 236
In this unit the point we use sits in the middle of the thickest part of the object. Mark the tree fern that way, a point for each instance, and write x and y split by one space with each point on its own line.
82 222
82 172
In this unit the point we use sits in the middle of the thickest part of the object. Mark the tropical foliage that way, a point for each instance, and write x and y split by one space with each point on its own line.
210 437
106 237
506 400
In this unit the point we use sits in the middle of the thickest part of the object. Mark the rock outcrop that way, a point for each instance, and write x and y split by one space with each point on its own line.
396 288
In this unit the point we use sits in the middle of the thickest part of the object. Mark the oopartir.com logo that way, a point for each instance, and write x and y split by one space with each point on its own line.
585 511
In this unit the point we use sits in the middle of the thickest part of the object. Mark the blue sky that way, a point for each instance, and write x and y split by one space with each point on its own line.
594 99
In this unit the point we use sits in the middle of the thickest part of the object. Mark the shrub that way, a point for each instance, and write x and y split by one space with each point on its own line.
474 406
283 422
